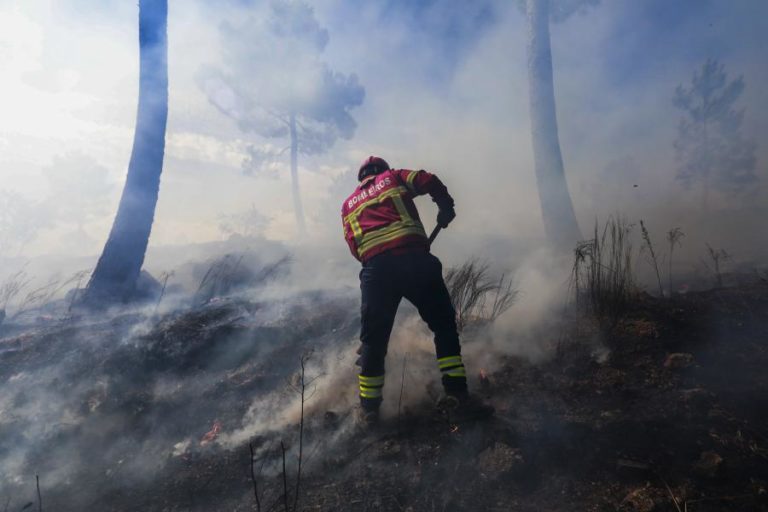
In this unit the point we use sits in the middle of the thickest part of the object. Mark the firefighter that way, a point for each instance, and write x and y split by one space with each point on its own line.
384 232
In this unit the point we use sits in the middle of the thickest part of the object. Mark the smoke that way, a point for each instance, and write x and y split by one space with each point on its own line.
271 67
115 398
529 330
445 90
431 102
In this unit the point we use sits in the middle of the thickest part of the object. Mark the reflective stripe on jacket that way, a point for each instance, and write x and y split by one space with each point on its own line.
380 215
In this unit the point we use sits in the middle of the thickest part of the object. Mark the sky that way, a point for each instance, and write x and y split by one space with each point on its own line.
445 90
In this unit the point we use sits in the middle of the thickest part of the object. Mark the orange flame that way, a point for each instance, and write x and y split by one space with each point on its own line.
211 434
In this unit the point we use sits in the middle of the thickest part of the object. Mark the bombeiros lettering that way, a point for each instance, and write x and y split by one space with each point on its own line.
369 192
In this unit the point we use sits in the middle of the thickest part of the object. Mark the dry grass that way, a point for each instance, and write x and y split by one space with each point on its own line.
718 257
13 286
650 254
232 272
219 279
602 277
674 239
476 296
35 298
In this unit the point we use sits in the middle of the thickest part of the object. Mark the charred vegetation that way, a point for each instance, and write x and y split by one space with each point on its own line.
213 407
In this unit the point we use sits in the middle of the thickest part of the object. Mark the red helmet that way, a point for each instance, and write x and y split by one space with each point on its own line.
371 165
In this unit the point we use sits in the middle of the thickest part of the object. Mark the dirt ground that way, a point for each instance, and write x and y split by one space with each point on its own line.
668 414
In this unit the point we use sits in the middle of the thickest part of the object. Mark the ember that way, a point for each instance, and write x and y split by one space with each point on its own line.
485 382
211 434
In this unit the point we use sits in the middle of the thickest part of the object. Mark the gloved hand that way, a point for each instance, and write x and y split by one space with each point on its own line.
445 215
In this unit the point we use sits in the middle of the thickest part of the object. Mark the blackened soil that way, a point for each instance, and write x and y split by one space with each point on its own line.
672 416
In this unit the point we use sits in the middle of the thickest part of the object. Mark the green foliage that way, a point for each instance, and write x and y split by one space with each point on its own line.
710 147
272 74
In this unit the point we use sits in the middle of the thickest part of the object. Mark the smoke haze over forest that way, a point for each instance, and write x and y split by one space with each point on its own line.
200 345
445 90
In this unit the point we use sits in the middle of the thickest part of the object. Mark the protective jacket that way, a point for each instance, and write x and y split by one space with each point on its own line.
380 214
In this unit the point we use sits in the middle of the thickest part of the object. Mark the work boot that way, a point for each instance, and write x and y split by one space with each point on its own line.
463 406
366 420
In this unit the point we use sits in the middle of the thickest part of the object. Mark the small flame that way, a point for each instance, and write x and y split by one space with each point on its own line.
211 434
485 383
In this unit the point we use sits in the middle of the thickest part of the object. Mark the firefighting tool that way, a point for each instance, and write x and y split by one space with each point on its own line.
434 234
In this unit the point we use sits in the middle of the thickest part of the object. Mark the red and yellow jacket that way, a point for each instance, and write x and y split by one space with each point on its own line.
380 215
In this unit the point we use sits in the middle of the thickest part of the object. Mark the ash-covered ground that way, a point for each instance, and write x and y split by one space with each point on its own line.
142 411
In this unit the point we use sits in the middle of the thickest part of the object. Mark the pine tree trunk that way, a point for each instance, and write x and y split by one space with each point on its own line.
116 274
297 206
560 224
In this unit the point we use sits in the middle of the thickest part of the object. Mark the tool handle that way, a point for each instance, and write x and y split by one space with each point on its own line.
434 234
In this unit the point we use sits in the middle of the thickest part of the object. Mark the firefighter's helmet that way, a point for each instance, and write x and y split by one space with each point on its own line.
372 165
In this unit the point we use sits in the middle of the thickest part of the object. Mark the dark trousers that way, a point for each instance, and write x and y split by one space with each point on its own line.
384 280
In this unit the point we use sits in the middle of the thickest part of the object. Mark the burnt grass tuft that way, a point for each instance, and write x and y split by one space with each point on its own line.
670 412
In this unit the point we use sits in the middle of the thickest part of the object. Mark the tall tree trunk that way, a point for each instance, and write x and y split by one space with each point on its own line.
117 271
297 206
560 224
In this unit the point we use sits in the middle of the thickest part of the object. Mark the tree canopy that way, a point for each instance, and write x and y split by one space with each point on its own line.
272 69
711 149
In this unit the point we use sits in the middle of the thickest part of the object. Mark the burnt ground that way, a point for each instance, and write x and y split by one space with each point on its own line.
671 417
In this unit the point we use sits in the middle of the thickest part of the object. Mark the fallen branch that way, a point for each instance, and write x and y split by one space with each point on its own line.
671 494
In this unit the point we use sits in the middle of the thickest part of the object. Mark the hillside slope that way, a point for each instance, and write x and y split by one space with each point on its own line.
142 413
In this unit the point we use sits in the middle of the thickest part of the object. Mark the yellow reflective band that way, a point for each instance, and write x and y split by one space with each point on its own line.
371 236
370 394
397 191
409 181
372 381
444 362
458 373
402 210
354 225
388 234
405 232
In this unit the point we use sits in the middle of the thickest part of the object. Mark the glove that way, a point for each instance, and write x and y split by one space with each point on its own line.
445 216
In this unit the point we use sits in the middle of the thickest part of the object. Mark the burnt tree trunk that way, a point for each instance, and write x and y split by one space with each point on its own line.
560 224
115 276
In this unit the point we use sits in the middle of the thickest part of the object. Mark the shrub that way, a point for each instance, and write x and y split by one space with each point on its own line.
476 296
602 277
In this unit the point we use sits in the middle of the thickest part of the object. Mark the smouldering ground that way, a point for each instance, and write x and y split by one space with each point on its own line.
674 416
